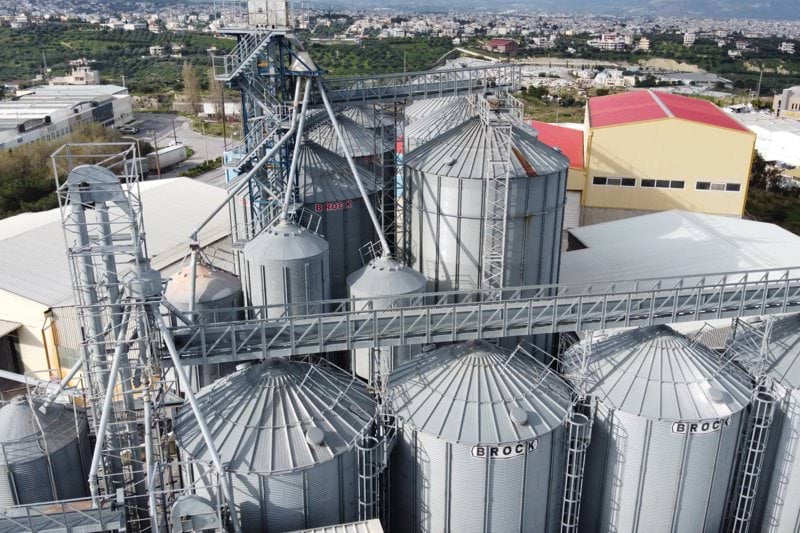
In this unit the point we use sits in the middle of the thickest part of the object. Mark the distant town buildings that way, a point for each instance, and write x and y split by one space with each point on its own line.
786 47
689 38
502 46
79 76
787 104
644 44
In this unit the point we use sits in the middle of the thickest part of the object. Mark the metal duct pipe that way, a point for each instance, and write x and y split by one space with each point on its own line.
119 352
71 374
296 153
386 252
148 457
198 414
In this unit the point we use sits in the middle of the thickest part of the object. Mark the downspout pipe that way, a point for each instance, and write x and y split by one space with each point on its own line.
386 252
198 414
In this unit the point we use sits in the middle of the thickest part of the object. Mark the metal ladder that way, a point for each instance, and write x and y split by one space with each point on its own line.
497 129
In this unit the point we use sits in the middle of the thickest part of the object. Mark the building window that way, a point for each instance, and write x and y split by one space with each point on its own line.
717 186
614 182
663 184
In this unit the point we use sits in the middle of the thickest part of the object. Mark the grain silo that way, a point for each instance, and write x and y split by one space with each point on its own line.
45 456
482 441
287 432
777 506
371 117
668 417
217 292
287 265
423 108
217 296
366 148
446 180
326 187
441 121
381 280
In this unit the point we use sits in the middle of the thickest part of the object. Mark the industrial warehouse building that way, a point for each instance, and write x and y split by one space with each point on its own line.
646 151
52 111
35 282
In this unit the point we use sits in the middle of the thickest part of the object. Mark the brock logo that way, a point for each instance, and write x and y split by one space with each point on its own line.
700 428
506 450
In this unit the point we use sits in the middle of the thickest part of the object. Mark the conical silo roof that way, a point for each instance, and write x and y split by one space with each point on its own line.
478 393
27 432
385 276
443 120
782 358
368 117
361 141
284 242
212 285
656 372
422 108
324 176
278 416
463 152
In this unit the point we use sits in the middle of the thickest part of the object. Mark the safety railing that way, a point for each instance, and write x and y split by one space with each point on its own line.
467 315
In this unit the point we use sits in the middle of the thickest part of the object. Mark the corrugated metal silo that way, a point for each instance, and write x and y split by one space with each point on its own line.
286 431
45 457
777 506
668 418
383 277
446 178
217 294
365 147
287 265
216 291
370 117
423 108
444 119
327 187
481 446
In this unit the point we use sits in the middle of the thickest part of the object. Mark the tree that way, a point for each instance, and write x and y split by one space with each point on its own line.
191 87
217 93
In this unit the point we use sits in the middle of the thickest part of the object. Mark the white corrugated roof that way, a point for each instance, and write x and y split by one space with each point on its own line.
676 243
777 139
33 260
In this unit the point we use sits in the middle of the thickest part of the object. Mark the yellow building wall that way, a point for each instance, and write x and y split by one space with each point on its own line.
672 149
32 316
576 179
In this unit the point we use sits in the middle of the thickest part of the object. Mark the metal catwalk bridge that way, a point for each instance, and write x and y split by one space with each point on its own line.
467 315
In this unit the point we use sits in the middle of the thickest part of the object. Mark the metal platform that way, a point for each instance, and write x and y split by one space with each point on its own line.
69 516
467 315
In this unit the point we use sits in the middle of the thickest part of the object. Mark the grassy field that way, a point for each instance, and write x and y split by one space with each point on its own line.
548 112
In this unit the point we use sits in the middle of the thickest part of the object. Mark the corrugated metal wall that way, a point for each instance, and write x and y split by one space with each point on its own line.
440 487
778 504
642 477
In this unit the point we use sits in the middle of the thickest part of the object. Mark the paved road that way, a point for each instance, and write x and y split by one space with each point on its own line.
165 128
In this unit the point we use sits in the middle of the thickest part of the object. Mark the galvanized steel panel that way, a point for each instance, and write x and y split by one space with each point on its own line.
360 142
778 510
642 477
284 502
260 415
287 265
658 373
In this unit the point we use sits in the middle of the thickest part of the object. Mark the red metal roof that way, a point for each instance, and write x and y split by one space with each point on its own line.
568 140
698 111
639 106
496 42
